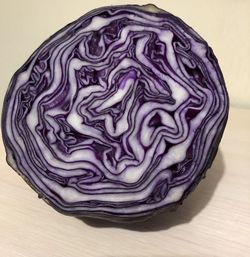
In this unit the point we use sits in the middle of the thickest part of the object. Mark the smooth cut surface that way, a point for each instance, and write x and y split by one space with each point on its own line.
213 221
117 115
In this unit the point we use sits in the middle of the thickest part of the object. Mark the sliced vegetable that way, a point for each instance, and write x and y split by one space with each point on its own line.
117 115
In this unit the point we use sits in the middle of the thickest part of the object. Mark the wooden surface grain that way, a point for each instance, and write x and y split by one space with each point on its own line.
213 221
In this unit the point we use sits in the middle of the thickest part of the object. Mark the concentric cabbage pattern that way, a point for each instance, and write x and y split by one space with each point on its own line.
119 113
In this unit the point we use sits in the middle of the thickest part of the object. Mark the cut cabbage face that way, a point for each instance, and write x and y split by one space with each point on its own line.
117 115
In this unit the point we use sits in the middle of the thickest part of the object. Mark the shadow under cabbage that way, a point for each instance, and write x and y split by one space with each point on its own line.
192 205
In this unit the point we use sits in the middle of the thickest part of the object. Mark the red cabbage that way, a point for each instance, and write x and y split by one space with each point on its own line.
117 115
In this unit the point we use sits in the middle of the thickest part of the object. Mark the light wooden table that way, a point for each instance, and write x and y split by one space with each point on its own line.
213 221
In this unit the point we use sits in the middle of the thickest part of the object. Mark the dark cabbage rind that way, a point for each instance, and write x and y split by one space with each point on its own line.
116 116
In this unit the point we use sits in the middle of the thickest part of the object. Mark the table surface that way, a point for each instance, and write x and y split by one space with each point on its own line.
213 221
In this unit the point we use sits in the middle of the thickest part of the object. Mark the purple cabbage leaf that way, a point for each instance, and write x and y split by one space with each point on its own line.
116 116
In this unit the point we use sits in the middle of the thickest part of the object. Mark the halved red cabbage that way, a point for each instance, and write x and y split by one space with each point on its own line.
117 115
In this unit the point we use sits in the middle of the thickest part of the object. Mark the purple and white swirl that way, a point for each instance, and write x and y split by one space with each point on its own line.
118 114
